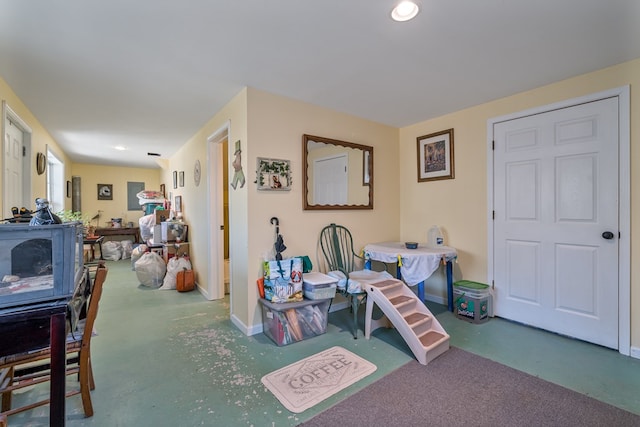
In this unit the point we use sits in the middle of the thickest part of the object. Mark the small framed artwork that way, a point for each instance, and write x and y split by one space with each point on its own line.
181 179
68 189
365 167
178 204
274 174
435 156
175 179
162 191
105 191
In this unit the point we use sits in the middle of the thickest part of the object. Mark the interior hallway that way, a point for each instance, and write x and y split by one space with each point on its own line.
163 358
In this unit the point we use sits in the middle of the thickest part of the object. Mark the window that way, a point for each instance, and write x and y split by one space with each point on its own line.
56 186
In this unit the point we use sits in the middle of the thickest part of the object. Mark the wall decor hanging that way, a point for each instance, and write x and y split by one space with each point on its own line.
274 174
238 174
175 179
435 156
105 191
197 172
181 179
41 163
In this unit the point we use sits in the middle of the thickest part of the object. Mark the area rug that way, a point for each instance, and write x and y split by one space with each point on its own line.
462 389
303 384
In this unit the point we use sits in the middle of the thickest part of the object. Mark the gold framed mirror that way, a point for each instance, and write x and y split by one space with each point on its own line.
336 174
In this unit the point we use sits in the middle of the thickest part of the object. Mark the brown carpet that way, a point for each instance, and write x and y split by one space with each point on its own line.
463 389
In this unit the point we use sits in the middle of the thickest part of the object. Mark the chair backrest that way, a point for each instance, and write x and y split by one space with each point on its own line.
94 301
337 246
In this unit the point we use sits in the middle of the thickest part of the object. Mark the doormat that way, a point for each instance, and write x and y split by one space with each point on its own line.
309 381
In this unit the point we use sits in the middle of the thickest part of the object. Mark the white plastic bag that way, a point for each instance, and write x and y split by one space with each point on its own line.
111 251
150 269
136 253
127 248
174 265
146 224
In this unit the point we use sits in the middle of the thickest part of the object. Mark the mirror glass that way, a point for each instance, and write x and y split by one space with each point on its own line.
336 174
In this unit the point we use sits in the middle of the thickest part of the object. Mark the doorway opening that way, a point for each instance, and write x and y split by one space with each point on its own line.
220 265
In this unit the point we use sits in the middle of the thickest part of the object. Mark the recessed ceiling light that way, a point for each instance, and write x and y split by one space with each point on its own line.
120 147
405 11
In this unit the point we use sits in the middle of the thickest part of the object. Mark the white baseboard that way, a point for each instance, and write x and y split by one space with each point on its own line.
248 331
635 352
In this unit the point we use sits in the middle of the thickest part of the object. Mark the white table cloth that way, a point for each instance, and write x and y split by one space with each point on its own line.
417 265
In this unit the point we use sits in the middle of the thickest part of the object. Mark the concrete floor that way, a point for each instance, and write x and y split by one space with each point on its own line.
163 358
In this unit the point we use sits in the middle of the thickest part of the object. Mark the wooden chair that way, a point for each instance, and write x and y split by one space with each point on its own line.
27 369
337 246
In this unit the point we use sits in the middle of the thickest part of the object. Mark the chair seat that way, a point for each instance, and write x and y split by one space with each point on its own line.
358 280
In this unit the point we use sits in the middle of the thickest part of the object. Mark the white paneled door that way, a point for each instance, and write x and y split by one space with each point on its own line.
556 220
13 148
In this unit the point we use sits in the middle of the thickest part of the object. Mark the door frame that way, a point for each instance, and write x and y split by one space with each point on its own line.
624 198
215 195
9 114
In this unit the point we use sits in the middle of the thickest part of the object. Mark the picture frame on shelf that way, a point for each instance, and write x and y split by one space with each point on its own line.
435 156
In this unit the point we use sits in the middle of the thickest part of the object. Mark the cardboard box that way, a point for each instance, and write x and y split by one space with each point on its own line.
162 215
170 250
290 322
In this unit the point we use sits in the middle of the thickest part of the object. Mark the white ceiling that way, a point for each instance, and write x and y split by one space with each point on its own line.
148 74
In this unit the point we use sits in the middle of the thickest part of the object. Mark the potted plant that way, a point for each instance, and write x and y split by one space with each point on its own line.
71 216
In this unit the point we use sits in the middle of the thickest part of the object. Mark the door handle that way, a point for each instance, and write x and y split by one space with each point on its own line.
607 235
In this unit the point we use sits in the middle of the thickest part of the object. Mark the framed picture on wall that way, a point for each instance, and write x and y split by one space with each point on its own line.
435 156
105 191
181 179
274 174
178 207
175 179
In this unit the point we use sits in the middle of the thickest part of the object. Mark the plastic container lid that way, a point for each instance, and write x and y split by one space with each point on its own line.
471 285
315 278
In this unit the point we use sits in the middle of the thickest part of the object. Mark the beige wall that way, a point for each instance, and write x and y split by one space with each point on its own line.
460 205
196 209
276 126
92 175
40 139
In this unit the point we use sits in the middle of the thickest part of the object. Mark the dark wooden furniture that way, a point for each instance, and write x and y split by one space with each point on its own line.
92 242
45 359
26 330
120 231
